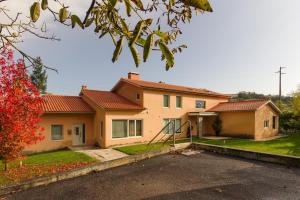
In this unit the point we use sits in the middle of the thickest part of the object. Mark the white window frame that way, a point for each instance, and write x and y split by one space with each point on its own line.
169 119
201 101
180 101
169 101
135 136
63 135
266 123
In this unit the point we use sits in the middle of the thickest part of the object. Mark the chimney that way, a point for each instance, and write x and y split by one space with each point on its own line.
83 87
133 76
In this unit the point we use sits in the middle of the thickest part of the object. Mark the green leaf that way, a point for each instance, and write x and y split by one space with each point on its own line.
35 11
137 32
89 22
135 55
148 46
118 49
75 20
163 35
128 7
125 28
44 4
138 3
63 14
200 4
166 54
113 3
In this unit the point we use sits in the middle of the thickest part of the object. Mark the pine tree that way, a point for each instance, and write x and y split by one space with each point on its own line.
39 76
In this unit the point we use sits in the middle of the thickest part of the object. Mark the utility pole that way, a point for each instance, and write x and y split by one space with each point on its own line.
280 73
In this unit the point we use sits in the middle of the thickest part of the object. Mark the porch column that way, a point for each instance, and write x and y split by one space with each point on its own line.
200 126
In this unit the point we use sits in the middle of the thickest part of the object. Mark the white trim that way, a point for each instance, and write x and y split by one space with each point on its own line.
128 137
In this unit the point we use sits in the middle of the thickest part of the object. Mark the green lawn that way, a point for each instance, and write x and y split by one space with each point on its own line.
43 164
142 148
289 145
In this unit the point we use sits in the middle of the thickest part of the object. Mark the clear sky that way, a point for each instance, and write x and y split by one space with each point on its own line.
238 47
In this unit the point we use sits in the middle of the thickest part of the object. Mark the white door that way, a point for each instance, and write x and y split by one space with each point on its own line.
200 126
78 135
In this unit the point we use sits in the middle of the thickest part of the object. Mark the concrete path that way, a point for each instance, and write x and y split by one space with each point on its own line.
103 154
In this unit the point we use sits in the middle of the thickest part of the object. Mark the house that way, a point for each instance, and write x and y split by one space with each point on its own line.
134 111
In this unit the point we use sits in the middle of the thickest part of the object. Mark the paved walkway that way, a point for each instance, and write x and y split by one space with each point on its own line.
103 154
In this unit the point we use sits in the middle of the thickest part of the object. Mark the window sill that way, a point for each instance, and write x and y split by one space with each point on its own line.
124 138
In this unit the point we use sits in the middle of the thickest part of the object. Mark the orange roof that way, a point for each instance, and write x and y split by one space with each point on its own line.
109 100
249 105
171 88
61 104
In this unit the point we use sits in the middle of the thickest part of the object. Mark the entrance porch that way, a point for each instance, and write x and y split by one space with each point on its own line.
202 123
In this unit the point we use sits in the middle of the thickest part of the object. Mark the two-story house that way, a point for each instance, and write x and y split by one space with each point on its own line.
134 111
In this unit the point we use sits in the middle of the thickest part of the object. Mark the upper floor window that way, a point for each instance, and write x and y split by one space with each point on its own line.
166 102
138 96
200 104
178 101
266 123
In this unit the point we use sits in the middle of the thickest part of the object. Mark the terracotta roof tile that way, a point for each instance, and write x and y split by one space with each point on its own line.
172 88
249 105
58 104
110 100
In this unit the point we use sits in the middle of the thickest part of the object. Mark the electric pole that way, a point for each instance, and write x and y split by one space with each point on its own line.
280 73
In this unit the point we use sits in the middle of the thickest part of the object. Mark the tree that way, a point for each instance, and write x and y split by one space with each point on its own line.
158 25
217 125
38 76
19 108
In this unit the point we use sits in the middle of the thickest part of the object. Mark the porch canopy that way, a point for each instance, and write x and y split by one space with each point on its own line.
202 114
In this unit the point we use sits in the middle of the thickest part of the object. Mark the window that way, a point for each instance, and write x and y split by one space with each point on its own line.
126 128
101 128
166 100
57 132
138 96
266 123
200 104
178 101
174 125
274 122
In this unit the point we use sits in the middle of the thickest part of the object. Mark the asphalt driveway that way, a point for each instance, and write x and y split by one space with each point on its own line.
201 176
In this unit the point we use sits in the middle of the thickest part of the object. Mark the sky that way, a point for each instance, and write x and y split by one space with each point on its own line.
238 47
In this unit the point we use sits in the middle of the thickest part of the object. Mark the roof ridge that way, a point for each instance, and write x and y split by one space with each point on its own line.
59 95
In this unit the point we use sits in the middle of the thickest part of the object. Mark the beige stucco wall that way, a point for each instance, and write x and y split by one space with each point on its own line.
68 121
130 92
265 113
155 113
238 124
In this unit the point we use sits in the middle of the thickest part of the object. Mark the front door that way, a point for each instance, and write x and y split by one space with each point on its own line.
78 134
200 126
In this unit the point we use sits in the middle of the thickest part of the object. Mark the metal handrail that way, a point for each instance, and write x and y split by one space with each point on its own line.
173 134
167 125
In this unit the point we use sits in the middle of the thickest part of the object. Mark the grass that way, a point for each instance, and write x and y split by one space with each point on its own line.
142 148
42 164
289 145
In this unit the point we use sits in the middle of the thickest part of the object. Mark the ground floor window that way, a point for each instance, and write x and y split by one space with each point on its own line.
266 123
57 132
174 125
126 128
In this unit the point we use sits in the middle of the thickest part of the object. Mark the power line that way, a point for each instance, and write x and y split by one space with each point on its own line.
280 73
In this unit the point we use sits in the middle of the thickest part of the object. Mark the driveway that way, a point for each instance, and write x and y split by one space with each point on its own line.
201 176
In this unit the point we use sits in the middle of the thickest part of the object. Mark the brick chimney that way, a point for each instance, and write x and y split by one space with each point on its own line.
83 87
133 76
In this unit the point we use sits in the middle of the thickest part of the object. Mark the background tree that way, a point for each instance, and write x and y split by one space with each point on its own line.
149 25
39 76
19 108
217 125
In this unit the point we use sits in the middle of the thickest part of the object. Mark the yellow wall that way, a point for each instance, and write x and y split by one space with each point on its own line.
238 124
67 120
265 113
154 114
